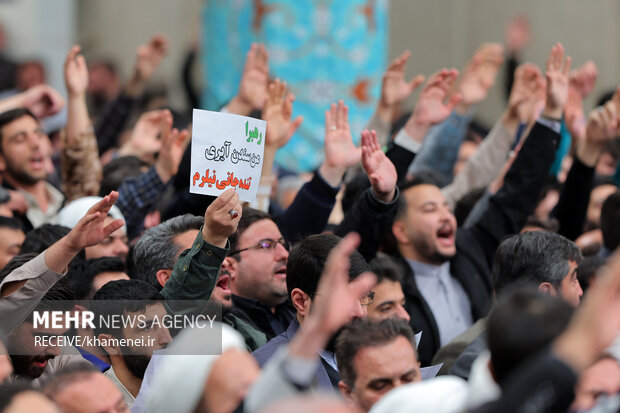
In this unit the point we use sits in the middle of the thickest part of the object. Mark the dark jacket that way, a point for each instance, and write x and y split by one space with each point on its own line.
475 245
260 316
264 353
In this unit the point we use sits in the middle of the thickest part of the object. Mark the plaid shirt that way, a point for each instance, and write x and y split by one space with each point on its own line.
136 198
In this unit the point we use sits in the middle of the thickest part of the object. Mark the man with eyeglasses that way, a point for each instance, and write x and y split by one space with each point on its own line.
257 265
304 269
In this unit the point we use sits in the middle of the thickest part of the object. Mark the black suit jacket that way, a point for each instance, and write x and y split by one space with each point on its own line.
475 245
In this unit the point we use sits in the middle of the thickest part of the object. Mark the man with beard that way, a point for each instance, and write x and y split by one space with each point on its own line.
304 269
448 282
131 299
31 359
23 160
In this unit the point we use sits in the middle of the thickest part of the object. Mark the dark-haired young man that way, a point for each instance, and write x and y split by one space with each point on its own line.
129 362
23 161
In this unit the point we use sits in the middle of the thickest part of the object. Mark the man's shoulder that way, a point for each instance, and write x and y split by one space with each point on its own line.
264 353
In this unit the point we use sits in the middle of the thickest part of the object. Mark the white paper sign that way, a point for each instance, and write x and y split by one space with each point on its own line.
227 152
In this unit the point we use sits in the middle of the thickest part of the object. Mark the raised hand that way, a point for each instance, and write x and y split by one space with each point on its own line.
144 141
173 144
381 171
278 114
602 124
527 94
90 230
480 73
339 148
432 107
42 100
395 89
76 73
252 92
148 58
557 70
584 78
336 298
150 55
219 223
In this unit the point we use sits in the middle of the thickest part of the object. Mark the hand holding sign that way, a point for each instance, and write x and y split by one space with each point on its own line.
227 152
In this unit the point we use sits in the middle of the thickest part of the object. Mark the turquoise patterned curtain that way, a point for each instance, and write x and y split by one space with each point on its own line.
324 49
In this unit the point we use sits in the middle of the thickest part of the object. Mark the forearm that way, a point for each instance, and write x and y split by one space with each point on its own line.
483 166
441 146
574 198
380 122
196 271
370 218
310 210
80 164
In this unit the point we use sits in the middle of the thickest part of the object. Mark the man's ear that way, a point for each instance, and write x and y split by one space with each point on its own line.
346 392
301 301
231 265
163 276
399 229
547 288
111 350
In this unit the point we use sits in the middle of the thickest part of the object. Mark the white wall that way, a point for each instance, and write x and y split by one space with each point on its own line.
40 29
446 32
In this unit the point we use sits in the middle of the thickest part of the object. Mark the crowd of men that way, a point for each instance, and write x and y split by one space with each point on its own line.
437 267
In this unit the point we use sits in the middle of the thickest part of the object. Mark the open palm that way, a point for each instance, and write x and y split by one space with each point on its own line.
339 147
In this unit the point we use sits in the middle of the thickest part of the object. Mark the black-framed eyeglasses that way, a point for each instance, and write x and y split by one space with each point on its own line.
264 244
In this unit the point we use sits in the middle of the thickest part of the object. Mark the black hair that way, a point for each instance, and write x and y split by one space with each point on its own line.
353 189
41 238
11 223
532 258
307 260
84 272
422 178
521 325
587 270
120 297
360 334
386 268
11 115
105 264
610 221
248 217
119 169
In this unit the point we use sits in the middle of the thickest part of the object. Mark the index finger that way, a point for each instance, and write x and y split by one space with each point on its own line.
224 198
